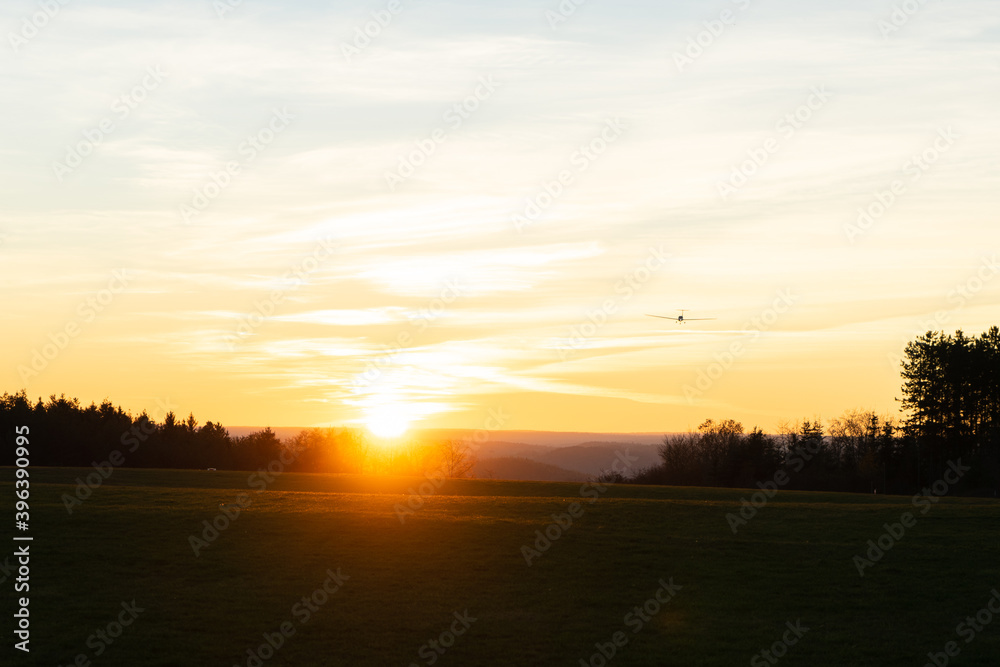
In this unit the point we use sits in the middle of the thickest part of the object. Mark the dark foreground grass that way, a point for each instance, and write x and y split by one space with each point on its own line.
462 551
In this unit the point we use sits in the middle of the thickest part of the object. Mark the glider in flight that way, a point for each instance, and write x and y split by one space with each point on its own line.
680 319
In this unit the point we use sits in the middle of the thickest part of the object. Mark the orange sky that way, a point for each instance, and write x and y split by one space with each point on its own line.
478 210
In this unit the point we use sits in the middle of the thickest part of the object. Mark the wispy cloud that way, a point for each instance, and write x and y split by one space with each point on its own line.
519 294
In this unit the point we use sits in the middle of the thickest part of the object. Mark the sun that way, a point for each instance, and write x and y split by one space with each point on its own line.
387 421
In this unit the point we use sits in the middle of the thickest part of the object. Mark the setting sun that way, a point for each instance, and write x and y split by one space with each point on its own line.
566 331
387 421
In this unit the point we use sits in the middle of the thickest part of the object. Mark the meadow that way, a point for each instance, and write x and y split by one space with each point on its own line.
443 578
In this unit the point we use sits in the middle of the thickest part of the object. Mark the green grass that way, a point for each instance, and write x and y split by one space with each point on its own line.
462 550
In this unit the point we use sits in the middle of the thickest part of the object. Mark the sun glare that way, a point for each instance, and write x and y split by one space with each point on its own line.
387 421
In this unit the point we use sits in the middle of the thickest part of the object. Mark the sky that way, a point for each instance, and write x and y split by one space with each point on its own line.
444 214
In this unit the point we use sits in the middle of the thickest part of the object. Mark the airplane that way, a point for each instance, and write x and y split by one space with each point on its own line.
680 319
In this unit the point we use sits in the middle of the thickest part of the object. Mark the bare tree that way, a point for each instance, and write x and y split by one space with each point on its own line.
457 458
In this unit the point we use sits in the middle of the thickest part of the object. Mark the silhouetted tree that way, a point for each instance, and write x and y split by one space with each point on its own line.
255 450
456 457
951 388
681 459
719 454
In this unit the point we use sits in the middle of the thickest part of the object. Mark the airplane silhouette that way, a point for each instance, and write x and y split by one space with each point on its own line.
680 319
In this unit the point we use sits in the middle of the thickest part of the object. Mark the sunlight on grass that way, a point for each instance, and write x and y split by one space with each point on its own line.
461 548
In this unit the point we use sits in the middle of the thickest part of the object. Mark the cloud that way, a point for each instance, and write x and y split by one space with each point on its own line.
517 293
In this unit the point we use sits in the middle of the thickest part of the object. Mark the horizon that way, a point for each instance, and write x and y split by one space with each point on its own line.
578 332
524 437
258 213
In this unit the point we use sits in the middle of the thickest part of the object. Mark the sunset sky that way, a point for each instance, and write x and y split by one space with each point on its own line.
474 207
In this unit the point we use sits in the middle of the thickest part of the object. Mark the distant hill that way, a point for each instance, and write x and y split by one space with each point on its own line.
537 438
504 449
552 438
596 457
534 455
516 468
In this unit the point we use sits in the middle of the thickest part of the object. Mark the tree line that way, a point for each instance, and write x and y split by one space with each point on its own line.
65 433
950 392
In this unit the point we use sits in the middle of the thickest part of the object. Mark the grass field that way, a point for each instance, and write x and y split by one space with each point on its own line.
461 553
